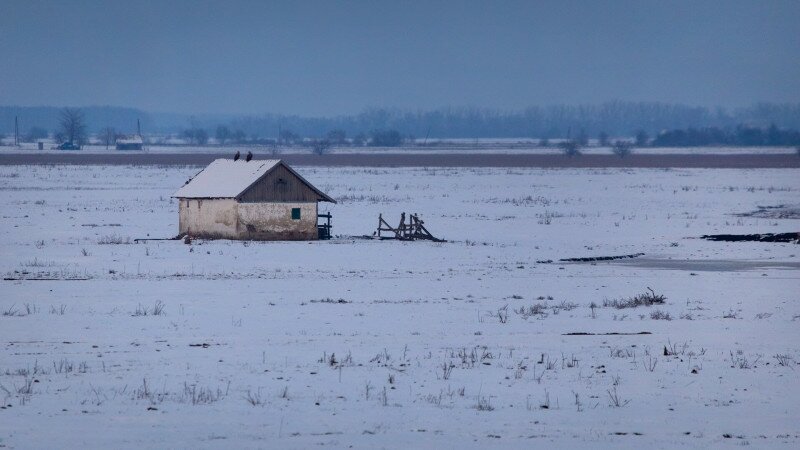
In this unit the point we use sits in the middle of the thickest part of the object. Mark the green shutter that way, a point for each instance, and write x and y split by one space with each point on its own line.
295 213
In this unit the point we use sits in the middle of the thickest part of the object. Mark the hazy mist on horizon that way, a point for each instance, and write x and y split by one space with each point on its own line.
330 58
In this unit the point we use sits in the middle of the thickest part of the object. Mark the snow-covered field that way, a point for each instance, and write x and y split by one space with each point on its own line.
381 344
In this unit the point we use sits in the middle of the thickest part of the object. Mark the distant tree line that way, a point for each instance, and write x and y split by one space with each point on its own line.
95 118
741 135
604 122
73 130
553 122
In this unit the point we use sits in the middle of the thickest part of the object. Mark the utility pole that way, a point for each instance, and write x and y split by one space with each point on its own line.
16 131
139 132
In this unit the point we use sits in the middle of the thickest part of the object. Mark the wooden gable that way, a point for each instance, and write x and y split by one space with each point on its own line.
282 184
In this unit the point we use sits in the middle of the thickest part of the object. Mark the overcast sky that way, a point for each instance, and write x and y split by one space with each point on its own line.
330 57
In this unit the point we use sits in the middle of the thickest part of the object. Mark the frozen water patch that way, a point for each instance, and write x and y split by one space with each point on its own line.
708 265
774 212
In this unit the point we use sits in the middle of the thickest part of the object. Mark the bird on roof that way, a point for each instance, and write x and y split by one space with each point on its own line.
236 156
249 156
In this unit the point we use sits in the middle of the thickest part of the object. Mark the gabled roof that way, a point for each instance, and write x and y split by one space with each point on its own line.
226 178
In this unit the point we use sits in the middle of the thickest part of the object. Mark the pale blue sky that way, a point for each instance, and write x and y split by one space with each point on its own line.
329 57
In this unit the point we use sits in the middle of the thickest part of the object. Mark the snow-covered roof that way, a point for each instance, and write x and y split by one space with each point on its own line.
135 139
225 178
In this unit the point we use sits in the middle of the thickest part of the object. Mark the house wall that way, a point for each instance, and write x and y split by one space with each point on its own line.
208 218
273 221
228 219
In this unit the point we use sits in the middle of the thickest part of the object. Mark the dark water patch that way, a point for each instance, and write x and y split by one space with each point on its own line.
766 237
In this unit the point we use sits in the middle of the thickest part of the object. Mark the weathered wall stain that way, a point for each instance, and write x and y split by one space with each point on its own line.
228 219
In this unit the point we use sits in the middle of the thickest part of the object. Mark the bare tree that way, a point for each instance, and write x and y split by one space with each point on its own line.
386 138
108 136
320 146
602 139
239 136
583 138
196 136
622 148
73 125
288 137
274 148
223 134
359 140
337 137
642 139
570 148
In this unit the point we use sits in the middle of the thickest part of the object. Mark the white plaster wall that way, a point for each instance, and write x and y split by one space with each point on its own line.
227 219
274 221
213 218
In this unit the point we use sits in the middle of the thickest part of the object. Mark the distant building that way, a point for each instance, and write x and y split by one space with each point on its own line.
258 200
134 142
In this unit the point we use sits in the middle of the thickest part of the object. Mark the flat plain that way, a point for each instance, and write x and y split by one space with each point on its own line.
484 340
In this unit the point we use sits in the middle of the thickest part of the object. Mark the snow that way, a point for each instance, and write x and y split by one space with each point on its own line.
225 178
255 349
136 139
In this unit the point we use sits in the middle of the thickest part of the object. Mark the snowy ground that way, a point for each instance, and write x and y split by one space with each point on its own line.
373 344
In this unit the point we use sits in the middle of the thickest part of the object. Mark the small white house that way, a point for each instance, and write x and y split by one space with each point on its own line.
134 142
252 200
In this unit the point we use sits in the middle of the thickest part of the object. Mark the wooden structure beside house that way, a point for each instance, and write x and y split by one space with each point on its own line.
250 200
